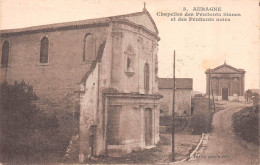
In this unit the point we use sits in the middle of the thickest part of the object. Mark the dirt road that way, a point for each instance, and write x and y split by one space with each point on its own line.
223 146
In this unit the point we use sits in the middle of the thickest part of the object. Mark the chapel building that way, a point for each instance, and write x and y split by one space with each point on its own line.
104 68
226 83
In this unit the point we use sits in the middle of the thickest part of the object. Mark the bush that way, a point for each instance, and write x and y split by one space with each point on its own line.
201 123
201 119
180 123
246 124
68 127
25 130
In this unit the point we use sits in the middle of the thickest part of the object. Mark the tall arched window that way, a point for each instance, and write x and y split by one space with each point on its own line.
44 50
5 54
146 78
88 47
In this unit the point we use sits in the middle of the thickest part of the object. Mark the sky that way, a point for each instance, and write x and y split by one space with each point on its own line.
199 45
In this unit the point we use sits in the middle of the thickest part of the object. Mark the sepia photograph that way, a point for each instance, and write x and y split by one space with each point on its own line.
129 82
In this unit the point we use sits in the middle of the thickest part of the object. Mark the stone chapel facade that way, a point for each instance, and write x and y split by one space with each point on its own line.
106 68
226 83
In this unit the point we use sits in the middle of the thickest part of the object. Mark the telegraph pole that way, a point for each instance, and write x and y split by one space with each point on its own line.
209 86
213 99
173 103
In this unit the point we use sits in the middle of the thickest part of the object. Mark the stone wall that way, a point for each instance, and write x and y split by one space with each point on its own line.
182 101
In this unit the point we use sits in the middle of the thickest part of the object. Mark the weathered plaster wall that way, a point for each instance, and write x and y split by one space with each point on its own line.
88 112
130 117
92 109
145 49
57 80
128 124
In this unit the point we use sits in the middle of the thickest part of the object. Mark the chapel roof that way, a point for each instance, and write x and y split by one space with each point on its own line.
181 83
225 68
132 18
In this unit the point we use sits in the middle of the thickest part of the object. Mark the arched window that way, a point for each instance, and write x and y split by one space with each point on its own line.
88 47
5 54
146 78
44 50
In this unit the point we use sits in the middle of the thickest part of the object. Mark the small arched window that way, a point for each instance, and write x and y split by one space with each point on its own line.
88 48
146 78
44 57
5 54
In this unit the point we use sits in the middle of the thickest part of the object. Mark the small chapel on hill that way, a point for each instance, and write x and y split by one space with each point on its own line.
226 83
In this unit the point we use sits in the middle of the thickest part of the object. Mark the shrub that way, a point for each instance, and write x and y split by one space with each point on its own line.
68 127
202 118
25 130
246 124
180 123
200 123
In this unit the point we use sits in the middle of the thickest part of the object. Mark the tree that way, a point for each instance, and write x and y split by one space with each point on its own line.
25 130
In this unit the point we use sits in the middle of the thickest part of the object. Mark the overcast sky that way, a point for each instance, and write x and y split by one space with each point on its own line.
198 45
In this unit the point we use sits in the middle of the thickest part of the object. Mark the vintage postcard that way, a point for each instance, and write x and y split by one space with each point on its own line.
129 82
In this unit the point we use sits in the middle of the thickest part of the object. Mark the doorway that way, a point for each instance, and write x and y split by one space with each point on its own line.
224 93
148 126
